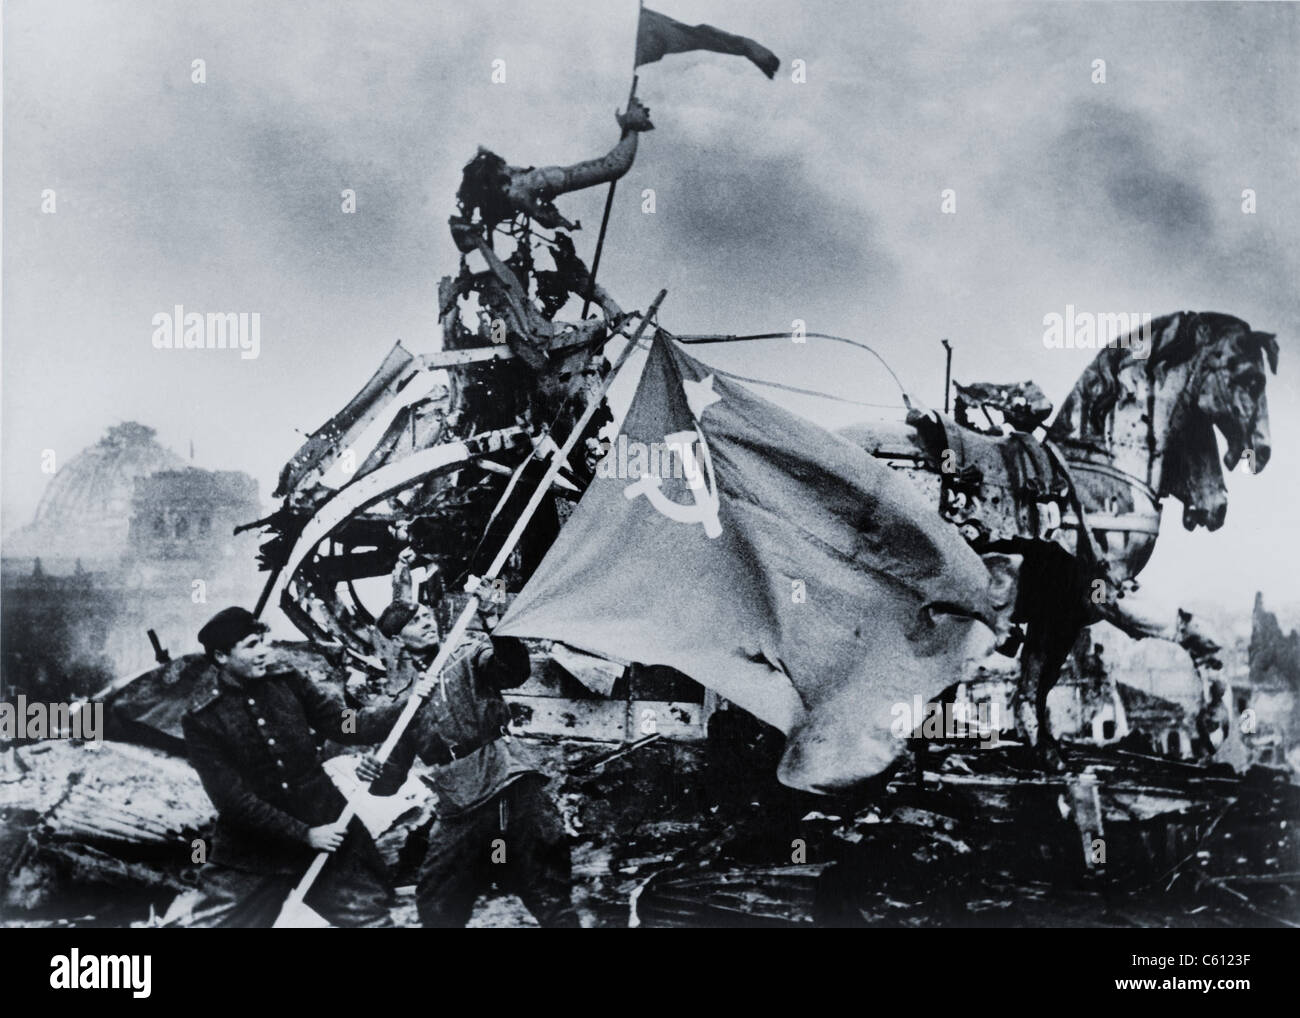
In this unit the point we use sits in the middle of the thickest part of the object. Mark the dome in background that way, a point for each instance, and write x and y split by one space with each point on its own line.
86 510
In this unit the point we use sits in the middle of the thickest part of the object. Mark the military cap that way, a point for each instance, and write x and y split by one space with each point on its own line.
227 628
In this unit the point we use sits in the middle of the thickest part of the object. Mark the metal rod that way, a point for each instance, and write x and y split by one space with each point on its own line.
266 592
617 754
718 338
947 374
159 652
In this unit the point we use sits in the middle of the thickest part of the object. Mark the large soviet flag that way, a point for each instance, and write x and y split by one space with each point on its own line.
767 559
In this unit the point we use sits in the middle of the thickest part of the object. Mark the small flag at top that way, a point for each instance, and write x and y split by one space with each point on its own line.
657 35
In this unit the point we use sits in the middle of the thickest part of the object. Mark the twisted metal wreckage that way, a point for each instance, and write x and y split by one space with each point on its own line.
1065 518
461 427
1065 515
1065 522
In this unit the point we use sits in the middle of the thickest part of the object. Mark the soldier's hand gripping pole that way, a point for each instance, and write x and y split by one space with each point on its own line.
558 459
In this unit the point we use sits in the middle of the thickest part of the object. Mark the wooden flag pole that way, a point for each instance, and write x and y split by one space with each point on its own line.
558 458
609 198
604 220
947 374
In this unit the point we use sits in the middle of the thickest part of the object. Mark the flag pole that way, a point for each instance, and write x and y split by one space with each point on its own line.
609 198
558 458
947 374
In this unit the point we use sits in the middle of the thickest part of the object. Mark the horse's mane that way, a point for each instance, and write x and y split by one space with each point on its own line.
1174 340
1191 455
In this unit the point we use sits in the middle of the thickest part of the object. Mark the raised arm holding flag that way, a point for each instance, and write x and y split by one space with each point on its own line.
656 36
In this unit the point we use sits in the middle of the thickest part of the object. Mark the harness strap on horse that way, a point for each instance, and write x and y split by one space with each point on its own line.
952 438
1086 538
1115 473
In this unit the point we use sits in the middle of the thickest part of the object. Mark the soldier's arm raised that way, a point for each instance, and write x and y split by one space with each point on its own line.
529 187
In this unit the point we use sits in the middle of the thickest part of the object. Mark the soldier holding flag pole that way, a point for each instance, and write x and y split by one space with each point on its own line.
458 630
495 821
657 35
252 742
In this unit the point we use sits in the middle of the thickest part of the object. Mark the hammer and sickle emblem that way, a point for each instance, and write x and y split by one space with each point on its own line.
699 477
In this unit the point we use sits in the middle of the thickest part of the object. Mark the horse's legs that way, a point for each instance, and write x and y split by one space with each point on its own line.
1052 602
1047 645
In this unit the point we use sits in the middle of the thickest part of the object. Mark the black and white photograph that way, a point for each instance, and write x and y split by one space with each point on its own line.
584 465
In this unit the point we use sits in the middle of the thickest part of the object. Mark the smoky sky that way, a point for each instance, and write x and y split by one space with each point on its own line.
773 201
1138 185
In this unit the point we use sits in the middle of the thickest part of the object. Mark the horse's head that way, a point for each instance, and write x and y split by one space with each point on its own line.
1232 395
1224 390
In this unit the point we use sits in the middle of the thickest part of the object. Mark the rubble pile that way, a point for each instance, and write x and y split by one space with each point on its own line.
104 829
979 839
673 834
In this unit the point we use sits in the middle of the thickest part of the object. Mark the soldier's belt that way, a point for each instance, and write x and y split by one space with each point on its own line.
444 754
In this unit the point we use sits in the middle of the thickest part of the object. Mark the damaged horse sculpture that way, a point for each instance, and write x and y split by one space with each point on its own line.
1081 507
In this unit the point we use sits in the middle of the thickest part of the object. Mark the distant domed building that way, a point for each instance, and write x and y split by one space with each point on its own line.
86 510
191 513
128 537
